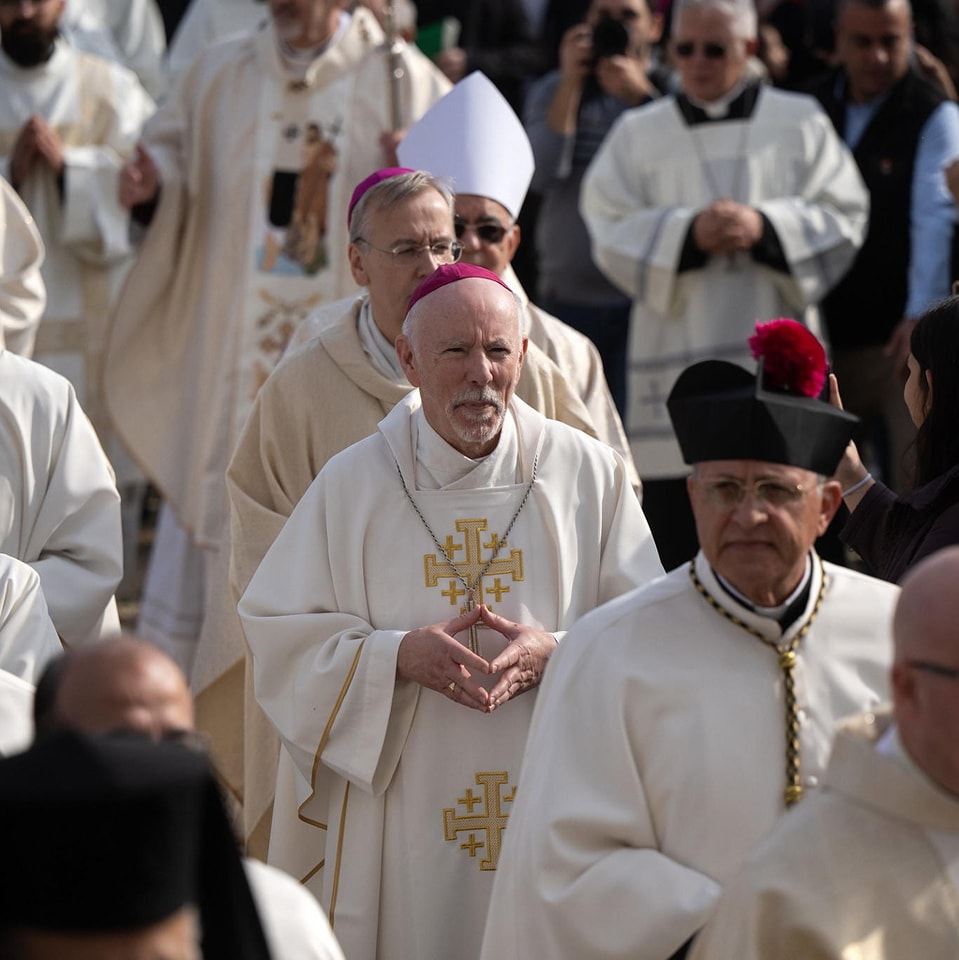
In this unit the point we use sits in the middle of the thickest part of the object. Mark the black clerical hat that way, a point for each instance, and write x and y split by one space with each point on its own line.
722 412
112 833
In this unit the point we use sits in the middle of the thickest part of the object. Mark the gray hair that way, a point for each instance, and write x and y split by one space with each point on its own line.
741 14
390 193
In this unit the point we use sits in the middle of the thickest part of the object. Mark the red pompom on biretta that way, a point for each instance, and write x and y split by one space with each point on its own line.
793 360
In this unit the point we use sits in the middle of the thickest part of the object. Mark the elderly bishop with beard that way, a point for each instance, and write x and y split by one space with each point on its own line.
403 618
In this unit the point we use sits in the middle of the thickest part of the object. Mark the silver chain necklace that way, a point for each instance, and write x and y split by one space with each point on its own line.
500 542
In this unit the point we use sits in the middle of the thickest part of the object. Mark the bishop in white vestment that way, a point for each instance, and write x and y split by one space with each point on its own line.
408 784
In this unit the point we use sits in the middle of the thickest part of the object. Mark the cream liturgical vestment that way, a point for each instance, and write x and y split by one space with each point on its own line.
409 792
656 760
857 873
257 168
97 108
319 401
652 175
59 506
23 295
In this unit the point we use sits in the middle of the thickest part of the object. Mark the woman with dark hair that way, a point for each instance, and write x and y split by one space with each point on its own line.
893 533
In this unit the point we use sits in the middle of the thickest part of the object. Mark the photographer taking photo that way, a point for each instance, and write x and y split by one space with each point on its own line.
605 67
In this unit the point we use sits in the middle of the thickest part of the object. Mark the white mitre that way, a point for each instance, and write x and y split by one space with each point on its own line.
473 137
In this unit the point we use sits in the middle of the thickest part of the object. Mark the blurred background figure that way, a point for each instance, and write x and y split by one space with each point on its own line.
121 850
606 66
892 533
128 685
23 294
902 130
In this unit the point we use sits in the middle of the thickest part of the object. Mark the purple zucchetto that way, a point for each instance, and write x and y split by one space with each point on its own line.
450 273
371 181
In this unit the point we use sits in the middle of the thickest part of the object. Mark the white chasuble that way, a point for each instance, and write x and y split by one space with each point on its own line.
97 108
656 760
258 166
410 792
651 177
23 295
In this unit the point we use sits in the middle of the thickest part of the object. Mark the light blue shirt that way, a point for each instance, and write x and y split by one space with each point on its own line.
932 210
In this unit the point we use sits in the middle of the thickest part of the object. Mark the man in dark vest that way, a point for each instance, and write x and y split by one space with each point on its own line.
902 131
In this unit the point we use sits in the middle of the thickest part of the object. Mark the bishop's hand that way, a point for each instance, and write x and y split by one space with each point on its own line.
433 657
139 180
521 665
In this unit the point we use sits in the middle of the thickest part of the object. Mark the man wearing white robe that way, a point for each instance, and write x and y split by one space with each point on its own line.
869 868
713 208
659 754
256 150
23 295
406 741
59 506
332 394
68 120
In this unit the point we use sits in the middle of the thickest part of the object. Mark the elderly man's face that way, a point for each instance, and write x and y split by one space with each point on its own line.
421 220
465 353
874 45
487 232
759 541
305 23
710 57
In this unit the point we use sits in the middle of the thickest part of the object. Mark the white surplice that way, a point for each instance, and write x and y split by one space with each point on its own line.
28 640
408 792
656 760
855 874
257 165
652 175
59 507
97 108
23 295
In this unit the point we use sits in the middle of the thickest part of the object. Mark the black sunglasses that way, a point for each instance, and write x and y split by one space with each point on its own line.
487 232
711 51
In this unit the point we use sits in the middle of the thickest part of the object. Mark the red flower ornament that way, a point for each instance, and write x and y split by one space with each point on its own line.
793 360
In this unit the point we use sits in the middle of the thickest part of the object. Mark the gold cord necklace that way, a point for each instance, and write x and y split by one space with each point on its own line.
787 663
499 542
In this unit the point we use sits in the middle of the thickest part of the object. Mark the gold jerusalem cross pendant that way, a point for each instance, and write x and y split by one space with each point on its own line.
471 605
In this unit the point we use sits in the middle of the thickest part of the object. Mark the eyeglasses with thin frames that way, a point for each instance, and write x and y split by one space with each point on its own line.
927 666
729 492
492 233
711 51
407 254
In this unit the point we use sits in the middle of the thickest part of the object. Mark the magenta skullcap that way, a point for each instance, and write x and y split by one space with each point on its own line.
450 273
371 181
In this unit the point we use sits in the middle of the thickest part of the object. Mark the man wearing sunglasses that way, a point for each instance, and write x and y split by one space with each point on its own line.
868 867
473 137
726 203
712 707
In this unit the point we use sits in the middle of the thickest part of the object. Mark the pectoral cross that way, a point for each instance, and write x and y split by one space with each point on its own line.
473 638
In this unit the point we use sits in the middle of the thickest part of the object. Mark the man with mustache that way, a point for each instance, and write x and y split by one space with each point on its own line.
412 599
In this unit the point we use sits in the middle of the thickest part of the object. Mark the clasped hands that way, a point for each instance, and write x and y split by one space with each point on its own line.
727 227
433 657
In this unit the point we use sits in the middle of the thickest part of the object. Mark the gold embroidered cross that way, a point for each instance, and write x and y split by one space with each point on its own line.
491 819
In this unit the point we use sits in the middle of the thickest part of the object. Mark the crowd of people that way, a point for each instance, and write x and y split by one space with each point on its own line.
582 594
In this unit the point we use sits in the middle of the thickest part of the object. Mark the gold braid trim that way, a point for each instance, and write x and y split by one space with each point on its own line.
787 663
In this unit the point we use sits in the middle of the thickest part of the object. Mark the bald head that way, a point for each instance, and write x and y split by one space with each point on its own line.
925 677
118 684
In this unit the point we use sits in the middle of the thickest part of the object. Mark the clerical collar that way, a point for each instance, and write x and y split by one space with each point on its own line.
298 60
380 352
784 613
440 466
736 104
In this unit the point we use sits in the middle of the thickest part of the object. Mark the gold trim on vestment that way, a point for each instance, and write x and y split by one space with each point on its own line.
339 851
